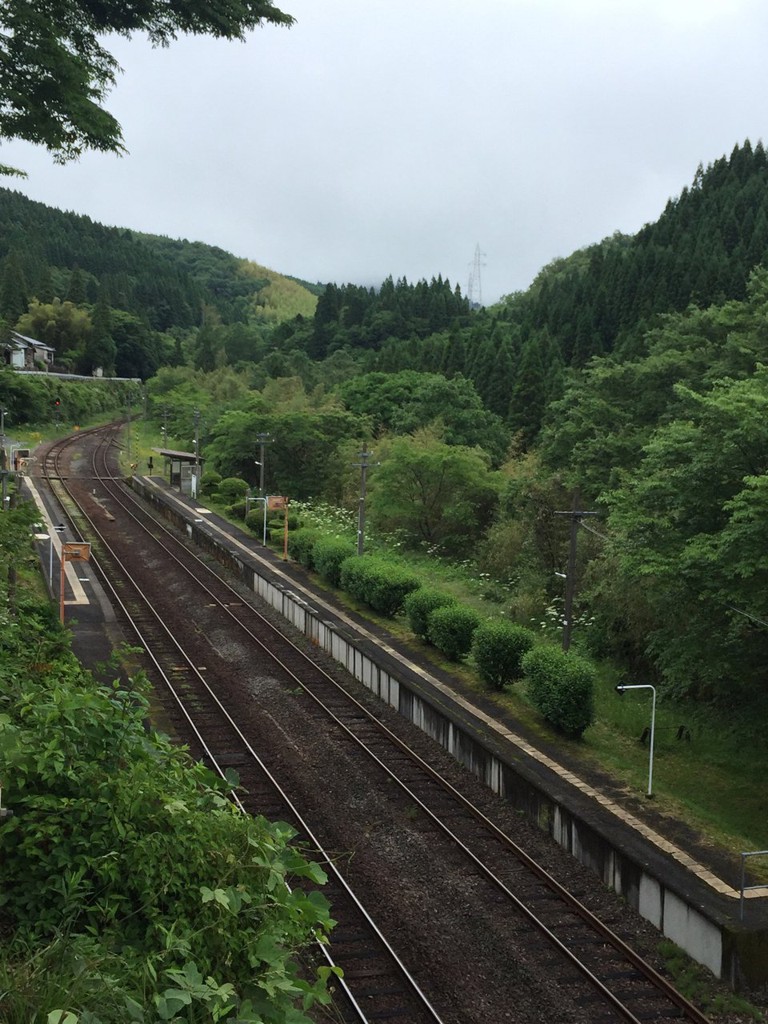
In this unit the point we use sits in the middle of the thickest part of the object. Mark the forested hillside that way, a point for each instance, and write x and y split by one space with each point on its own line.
701 250
656 422
628 379
124 301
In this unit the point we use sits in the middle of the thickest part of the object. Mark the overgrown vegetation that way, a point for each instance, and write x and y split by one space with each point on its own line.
133 889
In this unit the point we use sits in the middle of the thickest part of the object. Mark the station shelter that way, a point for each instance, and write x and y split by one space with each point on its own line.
182 470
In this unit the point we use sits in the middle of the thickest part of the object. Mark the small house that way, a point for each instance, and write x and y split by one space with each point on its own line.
23 353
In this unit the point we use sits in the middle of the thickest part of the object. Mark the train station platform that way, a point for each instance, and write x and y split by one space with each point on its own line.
673 876
677 878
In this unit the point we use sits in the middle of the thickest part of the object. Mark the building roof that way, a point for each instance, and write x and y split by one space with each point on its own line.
169 453
22 340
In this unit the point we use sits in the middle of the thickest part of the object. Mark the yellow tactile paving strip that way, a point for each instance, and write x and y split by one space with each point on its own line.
702 873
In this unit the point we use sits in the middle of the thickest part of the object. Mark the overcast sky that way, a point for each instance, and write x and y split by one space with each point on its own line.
382 137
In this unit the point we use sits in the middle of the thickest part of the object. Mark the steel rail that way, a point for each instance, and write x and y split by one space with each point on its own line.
339 879
616 942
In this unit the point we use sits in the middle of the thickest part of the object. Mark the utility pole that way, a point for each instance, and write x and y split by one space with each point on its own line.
364 465
3 462
576 515
196 442
263 440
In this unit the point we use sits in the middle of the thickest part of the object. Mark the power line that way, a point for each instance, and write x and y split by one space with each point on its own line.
746 615
603 537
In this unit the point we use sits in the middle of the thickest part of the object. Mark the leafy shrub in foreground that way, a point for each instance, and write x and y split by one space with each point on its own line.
451 629
498 648
328 555
418 606
381 585
118 841
561 687
301 545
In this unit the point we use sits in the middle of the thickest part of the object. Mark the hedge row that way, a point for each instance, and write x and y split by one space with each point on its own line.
451 629
301 545
377 583
420 604
560 685
329 554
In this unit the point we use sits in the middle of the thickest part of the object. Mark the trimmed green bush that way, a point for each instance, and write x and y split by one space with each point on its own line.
498 648
354 576
328 555
301 545
209 481
255 520
277 519
451 629
230 489
237 510
419 604
561 687
378 583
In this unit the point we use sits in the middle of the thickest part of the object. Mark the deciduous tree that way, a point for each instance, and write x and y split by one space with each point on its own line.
438 494
55 73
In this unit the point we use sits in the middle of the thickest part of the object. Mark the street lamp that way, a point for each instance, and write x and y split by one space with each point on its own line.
264 535
196 443
646 686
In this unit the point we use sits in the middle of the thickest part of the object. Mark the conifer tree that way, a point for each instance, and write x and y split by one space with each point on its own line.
209 342
14 298
455 355
498 388
100 349
529 394
76 290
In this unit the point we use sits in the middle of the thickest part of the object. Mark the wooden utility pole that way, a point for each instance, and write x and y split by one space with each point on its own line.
576 515
363 465
263 439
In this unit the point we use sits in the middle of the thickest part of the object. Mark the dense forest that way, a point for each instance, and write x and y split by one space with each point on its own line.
126 302
628 380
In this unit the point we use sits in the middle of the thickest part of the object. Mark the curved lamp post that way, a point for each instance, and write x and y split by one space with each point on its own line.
646 686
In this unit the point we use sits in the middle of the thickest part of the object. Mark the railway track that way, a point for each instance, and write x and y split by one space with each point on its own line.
604 978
